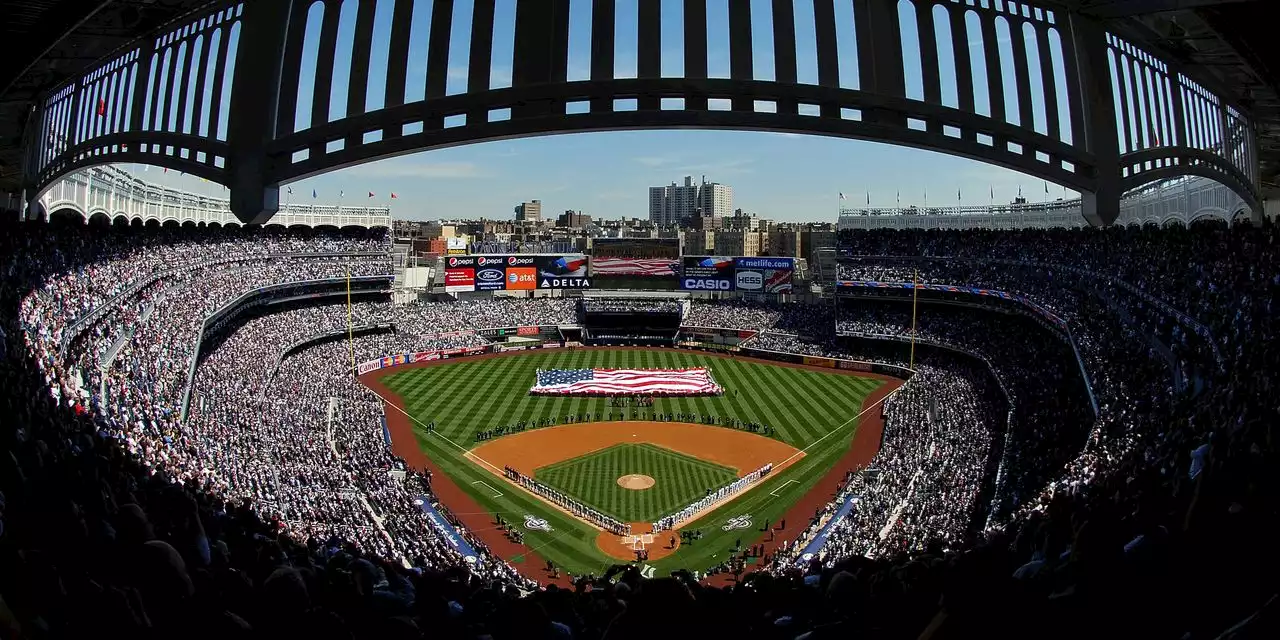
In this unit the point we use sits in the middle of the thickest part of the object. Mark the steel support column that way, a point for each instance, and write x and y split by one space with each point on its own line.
251 123
1100 207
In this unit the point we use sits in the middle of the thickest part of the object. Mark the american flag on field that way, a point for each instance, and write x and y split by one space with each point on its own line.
634 266
663 382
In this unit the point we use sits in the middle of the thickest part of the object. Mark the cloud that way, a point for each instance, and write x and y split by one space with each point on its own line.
613 195
654 161
422 170
715 170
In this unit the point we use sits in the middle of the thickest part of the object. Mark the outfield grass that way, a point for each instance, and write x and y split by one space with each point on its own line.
465 397
592 479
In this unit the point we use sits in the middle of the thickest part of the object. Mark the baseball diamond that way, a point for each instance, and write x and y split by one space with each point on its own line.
593 479
485 419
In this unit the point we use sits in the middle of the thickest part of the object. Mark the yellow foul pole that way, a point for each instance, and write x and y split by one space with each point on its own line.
915 296
351 344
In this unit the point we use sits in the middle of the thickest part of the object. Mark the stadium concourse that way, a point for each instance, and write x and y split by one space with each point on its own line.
1000 505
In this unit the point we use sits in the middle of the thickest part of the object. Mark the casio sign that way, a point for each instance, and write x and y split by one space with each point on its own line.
750 280
710 284
490 275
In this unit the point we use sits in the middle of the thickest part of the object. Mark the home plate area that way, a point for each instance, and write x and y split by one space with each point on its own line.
638 543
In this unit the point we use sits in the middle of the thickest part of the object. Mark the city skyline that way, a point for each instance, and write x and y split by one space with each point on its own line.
774 175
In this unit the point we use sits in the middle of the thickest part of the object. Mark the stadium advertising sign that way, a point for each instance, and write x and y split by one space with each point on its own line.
491 274
460 273
853 365
456 247
820 362
528 331
764 275
521 273
707 273
562 272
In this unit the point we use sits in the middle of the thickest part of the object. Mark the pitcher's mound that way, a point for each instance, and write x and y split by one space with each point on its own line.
636 481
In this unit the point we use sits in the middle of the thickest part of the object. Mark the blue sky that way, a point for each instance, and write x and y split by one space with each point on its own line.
780 176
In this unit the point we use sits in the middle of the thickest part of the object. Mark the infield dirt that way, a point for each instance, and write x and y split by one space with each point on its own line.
477 521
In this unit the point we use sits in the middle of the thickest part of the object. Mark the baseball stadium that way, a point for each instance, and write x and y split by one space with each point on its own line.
242 399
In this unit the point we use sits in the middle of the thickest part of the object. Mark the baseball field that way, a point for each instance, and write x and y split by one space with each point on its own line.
632 464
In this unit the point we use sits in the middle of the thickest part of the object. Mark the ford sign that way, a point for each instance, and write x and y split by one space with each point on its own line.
490 275
751 280
708 284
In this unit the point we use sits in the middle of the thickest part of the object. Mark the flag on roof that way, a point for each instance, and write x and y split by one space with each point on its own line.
393 195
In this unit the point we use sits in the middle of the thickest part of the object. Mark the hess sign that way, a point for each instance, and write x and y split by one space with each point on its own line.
708 284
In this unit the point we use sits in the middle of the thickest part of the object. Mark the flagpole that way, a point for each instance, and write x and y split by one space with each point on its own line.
915 296
351 343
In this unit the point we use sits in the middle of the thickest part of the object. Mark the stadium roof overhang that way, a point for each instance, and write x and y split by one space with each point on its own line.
50 41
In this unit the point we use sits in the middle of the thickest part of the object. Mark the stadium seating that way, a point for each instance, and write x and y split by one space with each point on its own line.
271 508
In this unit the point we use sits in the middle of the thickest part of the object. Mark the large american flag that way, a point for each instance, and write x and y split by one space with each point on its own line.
634 266
664 382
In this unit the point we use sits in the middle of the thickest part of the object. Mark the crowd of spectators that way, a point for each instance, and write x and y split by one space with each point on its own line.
119 518
632 305
751 315
926 482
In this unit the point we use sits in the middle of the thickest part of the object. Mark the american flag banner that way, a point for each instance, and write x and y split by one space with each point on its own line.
635 266
608 382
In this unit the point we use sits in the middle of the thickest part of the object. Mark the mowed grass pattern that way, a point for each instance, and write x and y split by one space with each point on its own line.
468 396
593 480
464 397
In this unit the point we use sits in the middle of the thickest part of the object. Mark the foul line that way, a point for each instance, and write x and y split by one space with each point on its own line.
496 493
841 426
775 491
465 452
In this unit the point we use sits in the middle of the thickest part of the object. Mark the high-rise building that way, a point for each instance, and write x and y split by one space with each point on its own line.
699 243
529 211
785 241
678 204
738 243
573 219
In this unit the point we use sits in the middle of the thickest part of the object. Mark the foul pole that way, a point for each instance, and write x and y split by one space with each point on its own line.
915 296
351 344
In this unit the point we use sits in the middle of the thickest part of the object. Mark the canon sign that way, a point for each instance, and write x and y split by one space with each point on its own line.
708 284
751 280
